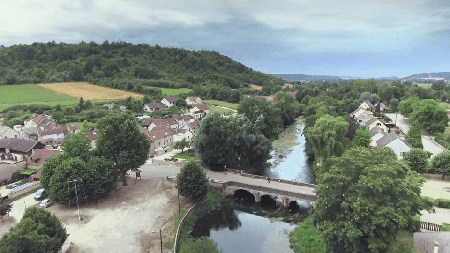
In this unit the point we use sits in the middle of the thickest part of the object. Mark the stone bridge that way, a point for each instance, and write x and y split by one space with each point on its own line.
294 193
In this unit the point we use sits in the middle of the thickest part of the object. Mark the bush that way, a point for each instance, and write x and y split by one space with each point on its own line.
200 245
443 203
446 227
192 181
306 238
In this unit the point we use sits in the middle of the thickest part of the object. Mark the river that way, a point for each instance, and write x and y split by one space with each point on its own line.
236 228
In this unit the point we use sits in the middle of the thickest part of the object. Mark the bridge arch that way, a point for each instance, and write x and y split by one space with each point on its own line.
243 193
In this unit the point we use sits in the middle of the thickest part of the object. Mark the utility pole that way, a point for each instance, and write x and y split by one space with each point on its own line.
76 194
179 206
160 236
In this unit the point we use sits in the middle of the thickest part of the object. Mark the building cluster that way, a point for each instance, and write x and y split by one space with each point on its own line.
381 131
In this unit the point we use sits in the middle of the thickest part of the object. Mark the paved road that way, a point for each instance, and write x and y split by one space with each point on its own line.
428 144
149 170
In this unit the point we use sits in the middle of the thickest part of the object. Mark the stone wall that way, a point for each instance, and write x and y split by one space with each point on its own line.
272 179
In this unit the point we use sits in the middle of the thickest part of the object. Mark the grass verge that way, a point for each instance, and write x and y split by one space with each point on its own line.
174 92
221 110
185 155
221 103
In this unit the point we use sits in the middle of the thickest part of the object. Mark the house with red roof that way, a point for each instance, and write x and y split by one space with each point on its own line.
199 111
40 156
93 136
49 135
169 101
38 123
73 129
154 123
161 140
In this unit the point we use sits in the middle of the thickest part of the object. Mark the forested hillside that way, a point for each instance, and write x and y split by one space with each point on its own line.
124 65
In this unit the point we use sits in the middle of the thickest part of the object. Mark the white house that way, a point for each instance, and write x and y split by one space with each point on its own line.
193 100
161 140
154 107
180 134
376 123
192 126
183 120
18 149
73 129
52 134
169 101
393 141
376 133
199 111
9 133
362 115
367 105
158 123
38 123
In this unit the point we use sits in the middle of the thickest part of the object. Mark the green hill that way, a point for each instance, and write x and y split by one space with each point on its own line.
125 66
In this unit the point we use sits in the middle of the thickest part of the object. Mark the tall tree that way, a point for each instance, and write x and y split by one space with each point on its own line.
431 116
182 144
253 108
121 141
441 164
414 135
77 145
364 199
287 106
192 181
407 107
328 136
417 159
362 138
38 231
393 104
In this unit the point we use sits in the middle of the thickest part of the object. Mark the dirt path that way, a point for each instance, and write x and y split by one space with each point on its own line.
123 221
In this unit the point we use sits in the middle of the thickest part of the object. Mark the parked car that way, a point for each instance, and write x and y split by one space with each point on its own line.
46 203
40 194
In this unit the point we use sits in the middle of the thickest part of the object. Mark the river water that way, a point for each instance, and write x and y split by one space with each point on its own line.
237 229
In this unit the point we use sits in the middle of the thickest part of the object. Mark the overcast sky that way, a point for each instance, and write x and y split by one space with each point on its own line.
348 37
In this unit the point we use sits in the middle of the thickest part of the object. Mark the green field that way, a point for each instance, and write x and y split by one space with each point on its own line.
174 92
445 105
220 110
424 85
31 94
221 103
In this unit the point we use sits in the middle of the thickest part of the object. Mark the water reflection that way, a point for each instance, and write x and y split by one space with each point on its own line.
219 219
295 165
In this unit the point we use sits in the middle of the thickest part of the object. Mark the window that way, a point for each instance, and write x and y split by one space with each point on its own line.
360 120
15 136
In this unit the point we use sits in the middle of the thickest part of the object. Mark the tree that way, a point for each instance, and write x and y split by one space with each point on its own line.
374 98
414 135
364 96
181 103
38 231
407 107
441 164
5 206
431 116
365 198
49 168
253 108
377 110
86 126
217 141
192 181
121 141
417 159
287 106
182 144
77 145
95 179
199 245
327 136
81 106
393 104
362 138
353 126
306 238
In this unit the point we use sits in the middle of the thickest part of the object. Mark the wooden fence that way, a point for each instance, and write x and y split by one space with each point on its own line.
431 226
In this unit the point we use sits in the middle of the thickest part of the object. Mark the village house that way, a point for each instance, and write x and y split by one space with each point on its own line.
382 107
161 140
169 101
193 100
374 122
393 141
18 150
9 133
192 127
183 120
93 136
152 123
199 111
53 134
154 107
362 115
376 133
180 134
109 106
367 105
73 129
37 123
40 156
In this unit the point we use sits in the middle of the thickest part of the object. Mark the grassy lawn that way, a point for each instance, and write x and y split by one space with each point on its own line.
31 94
255 87
445 105
174 92
424 85
185 155
404 243
221 103
220 110
74 123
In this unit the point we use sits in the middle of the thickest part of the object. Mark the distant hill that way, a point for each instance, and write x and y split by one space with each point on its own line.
429 76
124 65
303 77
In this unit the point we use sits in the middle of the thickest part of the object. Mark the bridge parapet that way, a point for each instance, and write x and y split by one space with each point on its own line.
272 179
